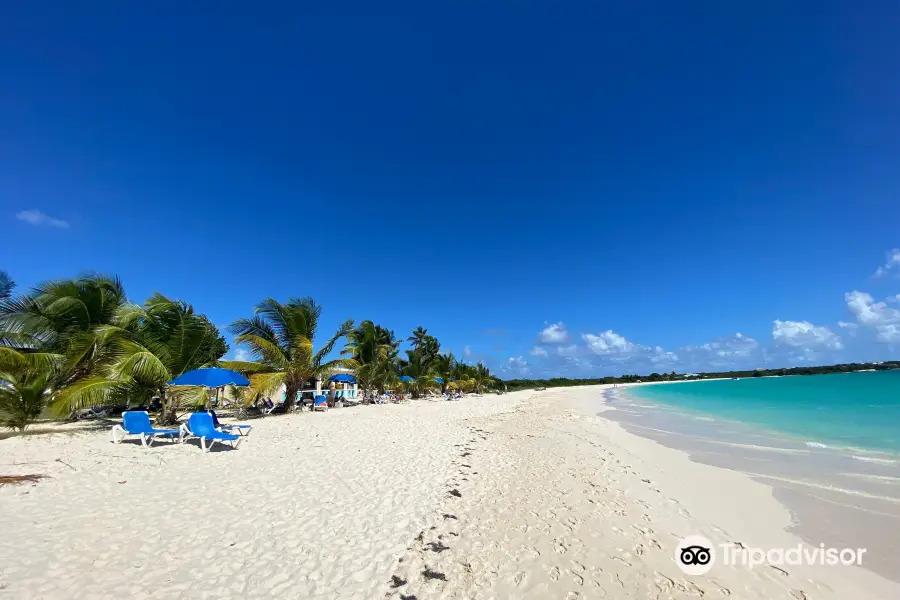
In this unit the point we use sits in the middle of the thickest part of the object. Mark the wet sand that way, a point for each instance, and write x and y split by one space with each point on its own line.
837 497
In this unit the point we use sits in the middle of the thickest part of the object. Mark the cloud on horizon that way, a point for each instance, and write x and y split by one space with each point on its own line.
869 335
40 219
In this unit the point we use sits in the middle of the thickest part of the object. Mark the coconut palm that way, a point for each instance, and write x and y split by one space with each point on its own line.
481 377
6 285
443 367
62 317
280 338
418 337
24 386
374 350
429 349
145 347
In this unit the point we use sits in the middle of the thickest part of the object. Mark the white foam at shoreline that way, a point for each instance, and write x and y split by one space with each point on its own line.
875 460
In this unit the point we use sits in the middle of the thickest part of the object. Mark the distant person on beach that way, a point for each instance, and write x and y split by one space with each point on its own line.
331 395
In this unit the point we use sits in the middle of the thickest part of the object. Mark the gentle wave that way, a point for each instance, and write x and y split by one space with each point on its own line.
877 461
816 445
876 478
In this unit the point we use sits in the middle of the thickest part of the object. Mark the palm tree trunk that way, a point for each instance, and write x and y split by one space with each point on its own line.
167 414
290 395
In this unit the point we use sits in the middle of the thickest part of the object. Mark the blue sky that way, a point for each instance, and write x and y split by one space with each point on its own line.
655 178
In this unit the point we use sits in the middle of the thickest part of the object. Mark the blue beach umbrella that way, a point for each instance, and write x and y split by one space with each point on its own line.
439 380
408 379
210 378
343 378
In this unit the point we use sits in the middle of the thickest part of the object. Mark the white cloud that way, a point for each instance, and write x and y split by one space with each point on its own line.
467 352
567 350
894 299
554 333
517 365
659 355
888 333
893 262
803 334
538 351
241 354
877 315
39 219
868 312
735 346
608 342
850 328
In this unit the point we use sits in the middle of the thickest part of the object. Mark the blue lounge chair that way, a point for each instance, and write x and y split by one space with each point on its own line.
137 422
200 425
320 403
241 429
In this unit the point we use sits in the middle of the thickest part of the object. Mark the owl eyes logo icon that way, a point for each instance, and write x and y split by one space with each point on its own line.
695 555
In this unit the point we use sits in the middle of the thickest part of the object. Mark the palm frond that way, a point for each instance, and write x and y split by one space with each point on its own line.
244 367
90 391
142 365
188 397
325 350
254 326
267 383
264 350
13 360
280 319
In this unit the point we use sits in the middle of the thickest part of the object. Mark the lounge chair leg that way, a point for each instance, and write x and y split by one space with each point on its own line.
203 444
144 440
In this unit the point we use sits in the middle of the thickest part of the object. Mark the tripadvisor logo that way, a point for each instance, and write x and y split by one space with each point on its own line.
695 555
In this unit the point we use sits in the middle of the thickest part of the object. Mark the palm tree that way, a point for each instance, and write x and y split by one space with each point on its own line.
429 349
280 338
374 349
6 285
482 377
144 348
418 337
443 367
62 317
24 386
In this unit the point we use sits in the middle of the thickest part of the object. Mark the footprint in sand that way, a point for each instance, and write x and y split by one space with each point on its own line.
621 560
528 553
520 579
552 573
560 546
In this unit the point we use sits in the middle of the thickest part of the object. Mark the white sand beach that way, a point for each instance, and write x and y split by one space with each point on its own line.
517 496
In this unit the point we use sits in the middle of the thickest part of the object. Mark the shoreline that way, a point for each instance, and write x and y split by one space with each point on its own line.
578 507
826 499
525 495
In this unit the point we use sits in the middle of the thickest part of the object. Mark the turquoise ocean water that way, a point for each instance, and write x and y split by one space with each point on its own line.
853 410
828 445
